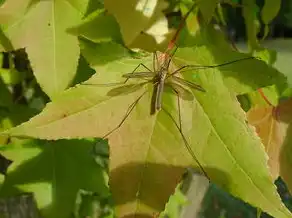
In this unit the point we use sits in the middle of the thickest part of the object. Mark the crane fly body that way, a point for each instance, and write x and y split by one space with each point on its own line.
163 77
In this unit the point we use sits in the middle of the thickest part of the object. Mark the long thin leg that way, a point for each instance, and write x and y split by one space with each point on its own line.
188 147
134 71
197 67
171 56
185 140
128 112
155 59
188 83
119 83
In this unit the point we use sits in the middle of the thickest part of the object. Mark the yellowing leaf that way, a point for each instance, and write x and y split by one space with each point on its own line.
284 116
274 127
92 28
192 21
272 133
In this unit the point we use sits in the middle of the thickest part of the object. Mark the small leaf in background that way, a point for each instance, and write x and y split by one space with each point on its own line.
49 48
92 28
267 55
145 25
251 23
109 51
269 12
207 8
13 115
284 116
54 172
90 204
192 22
274 127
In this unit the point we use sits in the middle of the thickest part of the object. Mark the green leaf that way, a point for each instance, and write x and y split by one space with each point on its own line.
98 27
264 97
147 153
270 10
54 172
102 53
84 72
207 8
251 23
50 48
240 77
192 21
13 115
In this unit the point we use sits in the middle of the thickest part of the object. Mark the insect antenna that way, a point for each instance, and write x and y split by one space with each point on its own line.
187 145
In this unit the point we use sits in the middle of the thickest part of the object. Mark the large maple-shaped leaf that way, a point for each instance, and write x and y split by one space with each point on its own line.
54 172
148 154
40 27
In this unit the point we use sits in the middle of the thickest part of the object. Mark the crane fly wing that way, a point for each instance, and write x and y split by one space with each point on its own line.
139 75
187 83
125 89
181 91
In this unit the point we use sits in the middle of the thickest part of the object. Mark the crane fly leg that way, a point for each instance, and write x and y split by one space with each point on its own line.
187 145
128 112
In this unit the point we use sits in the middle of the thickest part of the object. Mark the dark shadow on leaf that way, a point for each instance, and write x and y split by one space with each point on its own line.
176 89
155 189
68 163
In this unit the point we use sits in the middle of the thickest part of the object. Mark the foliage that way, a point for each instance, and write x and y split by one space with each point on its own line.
79 51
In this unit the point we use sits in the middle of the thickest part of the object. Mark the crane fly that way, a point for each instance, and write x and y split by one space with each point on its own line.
161 77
